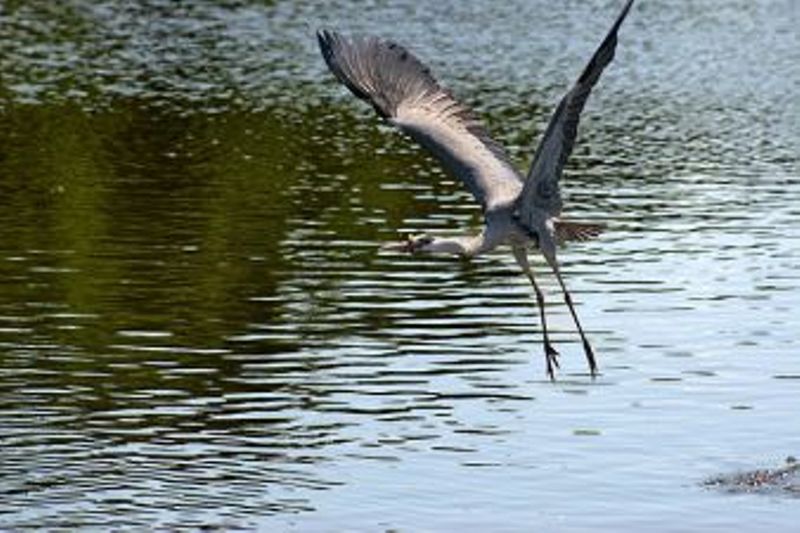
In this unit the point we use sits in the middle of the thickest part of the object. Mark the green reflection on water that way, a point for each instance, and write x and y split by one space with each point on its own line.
152 220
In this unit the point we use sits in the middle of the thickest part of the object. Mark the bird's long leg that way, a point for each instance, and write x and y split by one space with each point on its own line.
550 353
587 348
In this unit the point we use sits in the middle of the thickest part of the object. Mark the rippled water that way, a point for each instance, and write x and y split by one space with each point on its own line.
197 328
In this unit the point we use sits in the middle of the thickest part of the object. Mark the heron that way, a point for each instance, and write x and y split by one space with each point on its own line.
523 212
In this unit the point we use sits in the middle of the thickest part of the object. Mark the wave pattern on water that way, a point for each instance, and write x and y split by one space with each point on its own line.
197 327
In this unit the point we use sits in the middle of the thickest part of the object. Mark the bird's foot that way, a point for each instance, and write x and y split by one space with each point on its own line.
587 348
551 358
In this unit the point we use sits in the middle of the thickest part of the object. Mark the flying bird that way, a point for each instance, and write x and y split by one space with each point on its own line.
521 211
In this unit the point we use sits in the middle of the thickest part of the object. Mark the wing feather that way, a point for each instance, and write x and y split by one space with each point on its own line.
403 91
541 192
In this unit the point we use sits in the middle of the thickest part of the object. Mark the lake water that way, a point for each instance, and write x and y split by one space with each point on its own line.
197 328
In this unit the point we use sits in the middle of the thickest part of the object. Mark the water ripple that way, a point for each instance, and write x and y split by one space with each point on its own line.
198 328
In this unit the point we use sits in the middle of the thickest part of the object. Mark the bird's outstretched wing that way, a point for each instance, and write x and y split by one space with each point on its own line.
541 192
403 91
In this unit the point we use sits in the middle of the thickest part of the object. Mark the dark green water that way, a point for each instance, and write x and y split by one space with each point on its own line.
197 327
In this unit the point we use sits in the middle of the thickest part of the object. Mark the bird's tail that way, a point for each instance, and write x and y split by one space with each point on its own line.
576 231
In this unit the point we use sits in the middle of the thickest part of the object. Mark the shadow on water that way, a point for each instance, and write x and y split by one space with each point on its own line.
197 327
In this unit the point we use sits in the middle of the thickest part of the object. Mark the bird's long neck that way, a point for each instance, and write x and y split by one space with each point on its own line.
465 246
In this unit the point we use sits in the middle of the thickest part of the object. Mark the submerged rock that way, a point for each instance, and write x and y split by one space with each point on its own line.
784 479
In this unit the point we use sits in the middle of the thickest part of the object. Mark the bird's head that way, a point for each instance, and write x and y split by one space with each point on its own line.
412 244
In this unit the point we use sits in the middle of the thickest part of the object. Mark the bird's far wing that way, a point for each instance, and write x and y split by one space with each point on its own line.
541 192
403 91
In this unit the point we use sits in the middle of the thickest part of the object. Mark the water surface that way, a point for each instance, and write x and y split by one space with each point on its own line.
197 327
